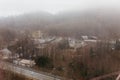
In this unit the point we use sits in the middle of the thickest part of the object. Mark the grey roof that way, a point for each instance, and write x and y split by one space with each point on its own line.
6 51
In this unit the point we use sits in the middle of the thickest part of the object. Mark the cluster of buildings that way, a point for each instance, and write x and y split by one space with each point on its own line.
82 42
75 43
41 40
6 54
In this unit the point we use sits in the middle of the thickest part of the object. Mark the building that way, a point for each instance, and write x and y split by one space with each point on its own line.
5 53
37 34
24 62
41 43
74 43
89 39
84 37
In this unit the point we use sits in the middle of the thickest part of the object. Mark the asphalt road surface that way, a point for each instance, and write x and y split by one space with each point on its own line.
28 72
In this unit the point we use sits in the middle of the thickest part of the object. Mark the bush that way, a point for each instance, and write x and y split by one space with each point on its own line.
63 44
60 68
43 61
117 45
79 68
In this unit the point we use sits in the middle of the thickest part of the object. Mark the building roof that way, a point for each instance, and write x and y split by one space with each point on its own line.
6 51
25 61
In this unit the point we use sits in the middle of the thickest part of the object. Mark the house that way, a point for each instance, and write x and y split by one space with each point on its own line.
42 42
89 39
57 39
74 43
112 44
92 37
16 61
84 37
24 62
5 53
27 63
37 34
15 56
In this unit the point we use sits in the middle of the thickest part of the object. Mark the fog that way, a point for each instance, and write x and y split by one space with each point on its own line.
16 7
70 39
62 17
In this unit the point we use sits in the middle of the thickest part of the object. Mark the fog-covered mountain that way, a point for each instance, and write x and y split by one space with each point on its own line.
27 21
100 22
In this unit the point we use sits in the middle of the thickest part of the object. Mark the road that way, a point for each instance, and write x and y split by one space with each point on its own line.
107 75
28 72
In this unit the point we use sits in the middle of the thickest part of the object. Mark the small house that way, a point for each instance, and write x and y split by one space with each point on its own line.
5 53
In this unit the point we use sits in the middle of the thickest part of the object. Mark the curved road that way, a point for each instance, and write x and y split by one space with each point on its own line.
28 72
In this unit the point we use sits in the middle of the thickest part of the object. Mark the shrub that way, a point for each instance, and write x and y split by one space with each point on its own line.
43 61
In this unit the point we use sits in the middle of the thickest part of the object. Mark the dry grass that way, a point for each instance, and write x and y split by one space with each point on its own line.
7 75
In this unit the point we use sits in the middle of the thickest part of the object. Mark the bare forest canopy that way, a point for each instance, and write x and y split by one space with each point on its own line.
104 23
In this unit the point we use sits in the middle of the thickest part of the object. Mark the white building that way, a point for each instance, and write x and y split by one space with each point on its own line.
87 39
74 43
84 37
24 62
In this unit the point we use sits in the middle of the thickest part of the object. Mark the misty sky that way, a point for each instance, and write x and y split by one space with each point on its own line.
15 7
